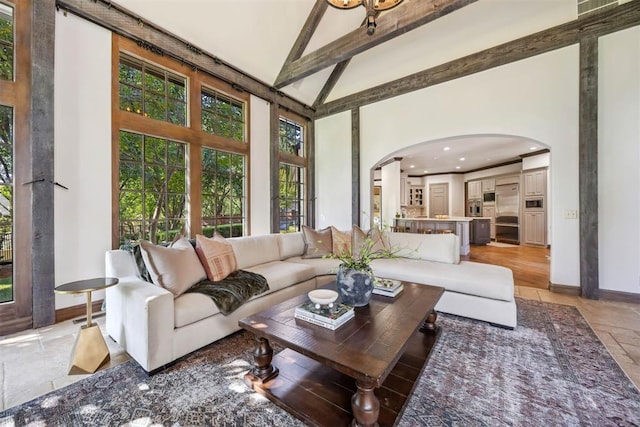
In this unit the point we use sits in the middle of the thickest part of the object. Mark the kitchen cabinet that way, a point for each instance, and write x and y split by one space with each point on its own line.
488 185
479 231
535 183
416 195
490 212
474 190
535 228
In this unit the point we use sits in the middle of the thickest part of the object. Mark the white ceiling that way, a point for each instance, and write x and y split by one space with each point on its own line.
256 36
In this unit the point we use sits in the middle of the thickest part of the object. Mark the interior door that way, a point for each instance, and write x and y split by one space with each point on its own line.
438 199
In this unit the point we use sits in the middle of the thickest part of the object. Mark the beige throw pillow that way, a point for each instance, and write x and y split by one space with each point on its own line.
359 238
175 267
318 243
216 255
341 241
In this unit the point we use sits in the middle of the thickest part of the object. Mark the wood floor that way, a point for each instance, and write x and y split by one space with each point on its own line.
530 265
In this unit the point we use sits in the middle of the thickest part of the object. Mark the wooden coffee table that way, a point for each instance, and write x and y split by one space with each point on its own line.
363 372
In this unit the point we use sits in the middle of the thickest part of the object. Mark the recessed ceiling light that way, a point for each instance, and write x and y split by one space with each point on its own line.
457 167
446 148
462 159
412 166
436 158
533 148
426 171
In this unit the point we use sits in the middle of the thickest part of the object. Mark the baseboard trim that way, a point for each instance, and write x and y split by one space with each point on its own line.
603 294
74 311
564 289
619 296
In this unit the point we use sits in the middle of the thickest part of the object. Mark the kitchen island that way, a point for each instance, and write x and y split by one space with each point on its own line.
456 225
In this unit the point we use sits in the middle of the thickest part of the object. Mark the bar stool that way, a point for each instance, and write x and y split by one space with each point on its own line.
400 229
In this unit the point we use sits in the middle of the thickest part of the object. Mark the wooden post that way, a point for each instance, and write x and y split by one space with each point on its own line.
42 205
355 166
588 168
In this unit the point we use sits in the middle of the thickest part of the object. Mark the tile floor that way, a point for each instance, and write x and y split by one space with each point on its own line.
35 362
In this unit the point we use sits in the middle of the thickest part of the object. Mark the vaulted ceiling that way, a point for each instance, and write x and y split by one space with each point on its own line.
295 45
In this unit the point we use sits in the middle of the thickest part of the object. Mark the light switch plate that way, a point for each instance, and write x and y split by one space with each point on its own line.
571 214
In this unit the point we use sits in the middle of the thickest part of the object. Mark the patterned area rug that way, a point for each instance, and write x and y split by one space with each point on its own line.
550 370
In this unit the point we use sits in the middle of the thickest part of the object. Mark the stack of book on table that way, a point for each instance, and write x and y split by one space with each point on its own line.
327 317
387 287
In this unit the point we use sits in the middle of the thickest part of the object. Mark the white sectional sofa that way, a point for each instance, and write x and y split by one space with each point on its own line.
156 328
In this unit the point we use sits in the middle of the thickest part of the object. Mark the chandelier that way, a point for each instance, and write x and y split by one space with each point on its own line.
372 6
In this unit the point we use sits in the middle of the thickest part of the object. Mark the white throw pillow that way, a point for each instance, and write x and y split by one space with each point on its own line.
176 267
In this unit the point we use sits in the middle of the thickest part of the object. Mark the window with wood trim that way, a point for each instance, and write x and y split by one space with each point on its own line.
6 203
222 115
292 197
6 42
292 203
153 188
223 193
152 92
291 137
202 190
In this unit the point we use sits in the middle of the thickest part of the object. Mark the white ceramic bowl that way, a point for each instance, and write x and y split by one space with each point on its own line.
323 296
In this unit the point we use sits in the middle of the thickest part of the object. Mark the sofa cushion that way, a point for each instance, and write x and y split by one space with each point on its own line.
318 243
255 250
340 241
191 307
216 255
176 267
473 278
281 274
321 266
430 247
290 244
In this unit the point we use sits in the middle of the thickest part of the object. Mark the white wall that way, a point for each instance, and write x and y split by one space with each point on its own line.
513 169
259 167
618 160
391 190
536 98
333 172
82 152
538 161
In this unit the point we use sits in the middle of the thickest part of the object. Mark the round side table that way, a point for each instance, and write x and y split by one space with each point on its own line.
89 351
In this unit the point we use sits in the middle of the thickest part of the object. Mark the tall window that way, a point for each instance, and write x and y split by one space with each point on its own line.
152 92
6 204
222 115
292 172
292 203
6 42
223 189
153 189
291 137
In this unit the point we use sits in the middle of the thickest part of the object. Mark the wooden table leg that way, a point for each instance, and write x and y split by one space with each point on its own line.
263 370
429 325
365 405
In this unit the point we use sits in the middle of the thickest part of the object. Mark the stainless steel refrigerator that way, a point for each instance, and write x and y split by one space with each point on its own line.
508 213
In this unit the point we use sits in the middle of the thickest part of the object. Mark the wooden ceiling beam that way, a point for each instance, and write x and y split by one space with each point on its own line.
592 25
126 23
331 82
314 18
393 23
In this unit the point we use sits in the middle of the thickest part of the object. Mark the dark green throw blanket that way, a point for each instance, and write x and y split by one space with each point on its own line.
234 290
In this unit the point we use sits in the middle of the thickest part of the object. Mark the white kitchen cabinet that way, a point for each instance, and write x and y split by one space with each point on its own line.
535 183
474 190
490 212
416 195
535 228
488 185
